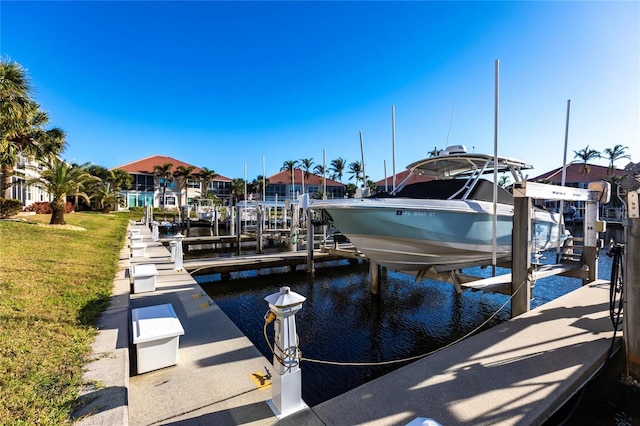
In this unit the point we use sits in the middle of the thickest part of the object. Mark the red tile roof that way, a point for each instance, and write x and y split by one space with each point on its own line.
596 173
400 177
310 179
145 166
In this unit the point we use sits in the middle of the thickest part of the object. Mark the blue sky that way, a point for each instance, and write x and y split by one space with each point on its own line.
221 84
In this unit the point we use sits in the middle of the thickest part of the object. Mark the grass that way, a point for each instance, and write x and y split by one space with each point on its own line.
54 283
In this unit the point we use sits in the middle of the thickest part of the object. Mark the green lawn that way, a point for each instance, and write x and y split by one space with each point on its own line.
54 282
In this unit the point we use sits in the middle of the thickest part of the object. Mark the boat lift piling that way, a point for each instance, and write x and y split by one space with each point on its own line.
523 193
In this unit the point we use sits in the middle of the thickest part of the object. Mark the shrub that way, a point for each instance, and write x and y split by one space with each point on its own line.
42 207
9 207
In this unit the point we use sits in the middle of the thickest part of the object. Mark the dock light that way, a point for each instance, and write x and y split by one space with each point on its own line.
286 397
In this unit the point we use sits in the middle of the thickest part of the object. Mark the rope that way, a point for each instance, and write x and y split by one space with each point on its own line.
412 358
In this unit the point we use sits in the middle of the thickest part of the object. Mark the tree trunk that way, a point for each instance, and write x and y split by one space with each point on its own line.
57 217
5 183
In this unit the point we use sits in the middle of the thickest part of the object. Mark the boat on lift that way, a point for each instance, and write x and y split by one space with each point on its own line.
446 219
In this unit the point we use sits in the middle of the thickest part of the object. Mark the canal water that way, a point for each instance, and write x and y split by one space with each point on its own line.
342 322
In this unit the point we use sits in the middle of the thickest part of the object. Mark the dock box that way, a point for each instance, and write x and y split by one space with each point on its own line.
133 232
144 277
156 335
138 249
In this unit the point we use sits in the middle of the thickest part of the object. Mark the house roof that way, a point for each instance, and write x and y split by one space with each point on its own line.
310 179
574 174
400 177
146 165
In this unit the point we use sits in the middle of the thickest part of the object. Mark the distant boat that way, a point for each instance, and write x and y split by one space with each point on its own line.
448 220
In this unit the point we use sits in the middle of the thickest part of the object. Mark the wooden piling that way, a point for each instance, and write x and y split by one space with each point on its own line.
521 256
632 288
374 274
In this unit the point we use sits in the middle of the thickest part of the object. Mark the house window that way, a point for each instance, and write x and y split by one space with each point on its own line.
171 201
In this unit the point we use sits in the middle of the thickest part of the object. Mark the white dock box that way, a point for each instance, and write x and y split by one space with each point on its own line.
156 334
138 249
134 232
144 277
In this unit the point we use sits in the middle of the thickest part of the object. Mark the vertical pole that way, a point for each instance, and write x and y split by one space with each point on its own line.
259 242
393 144
216 216
632 287
495 167
374 274
310 237
521 256
590 251
238 229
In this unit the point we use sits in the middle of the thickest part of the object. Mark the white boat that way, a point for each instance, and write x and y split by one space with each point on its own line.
447 220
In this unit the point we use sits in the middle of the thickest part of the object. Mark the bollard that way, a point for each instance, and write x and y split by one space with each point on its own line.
177 259
286 396
155 233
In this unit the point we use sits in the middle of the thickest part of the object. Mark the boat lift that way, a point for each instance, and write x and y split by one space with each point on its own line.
523 272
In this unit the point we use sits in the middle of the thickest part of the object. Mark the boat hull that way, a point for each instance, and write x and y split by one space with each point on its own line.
406 236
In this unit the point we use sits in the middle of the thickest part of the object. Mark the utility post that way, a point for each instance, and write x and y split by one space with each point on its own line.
631 285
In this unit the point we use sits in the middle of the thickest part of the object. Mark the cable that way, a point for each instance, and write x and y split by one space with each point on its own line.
412 358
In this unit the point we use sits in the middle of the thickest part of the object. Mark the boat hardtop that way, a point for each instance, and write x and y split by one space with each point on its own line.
456 161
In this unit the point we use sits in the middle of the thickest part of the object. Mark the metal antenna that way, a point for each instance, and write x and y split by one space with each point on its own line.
450 123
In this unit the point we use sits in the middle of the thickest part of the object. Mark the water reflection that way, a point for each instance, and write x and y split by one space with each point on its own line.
341 321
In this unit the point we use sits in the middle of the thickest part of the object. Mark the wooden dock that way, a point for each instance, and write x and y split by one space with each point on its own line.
255 261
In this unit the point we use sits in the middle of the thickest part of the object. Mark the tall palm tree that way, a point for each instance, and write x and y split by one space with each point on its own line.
355 170
290 165
183 175
165 177
306 163
586 154
320 170
615 153
237 189
258 183
61 179
206 177
338 166
434 153
22 124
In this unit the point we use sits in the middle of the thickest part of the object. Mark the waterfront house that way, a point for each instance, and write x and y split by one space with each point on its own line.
146 189
24 170
285 185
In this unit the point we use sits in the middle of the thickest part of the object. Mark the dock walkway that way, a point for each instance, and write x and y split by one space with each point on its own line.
518 372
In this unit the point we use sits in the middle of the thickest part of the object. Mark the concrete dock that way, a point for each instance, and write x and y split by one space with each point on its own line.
518 372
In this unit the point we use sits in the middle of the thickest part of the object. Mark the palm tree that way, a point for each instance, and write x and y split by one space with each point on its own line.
257 184
22 124
106 195
206 177
121 179
61 179
337 167
615 153
237 188
503 181
290 165
586 154
182 175
320 170
165 177
355 170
